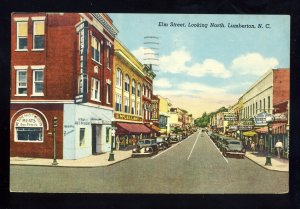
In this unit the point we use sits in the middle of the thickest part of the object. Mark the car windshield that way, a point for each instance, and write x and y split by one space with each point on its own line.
159 139
234 142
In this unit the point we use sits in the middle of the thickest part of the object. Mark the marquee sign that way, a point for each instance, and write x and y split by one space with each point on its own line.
82 29
263 118
245 128
29 120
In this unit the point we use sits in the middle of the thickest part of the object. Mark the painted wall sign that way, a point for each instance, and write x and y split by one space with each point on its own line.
29 120
127 117
230 116
82 30
245 128
82 121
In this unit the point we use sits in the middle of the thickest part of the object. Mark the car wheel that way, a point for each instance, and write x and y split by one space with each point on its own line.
224 153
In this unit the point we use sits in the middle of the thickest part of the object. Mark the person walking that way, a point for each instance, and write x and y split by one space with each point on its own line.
278 147
252 146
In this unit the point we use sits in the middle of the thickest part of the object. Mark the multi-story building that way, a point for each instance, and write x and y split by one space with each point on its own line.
164 116
129 89
61 68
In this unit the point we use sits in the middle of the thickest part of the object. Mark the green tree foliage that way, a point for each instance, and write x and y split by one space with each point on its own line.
204 120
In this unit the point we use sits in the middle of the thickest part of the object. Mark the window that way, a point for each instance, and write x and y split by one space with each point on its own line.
253 109
108 57
108 94
256 107
107 134
260 105
144 90
146 93
133 107
118 102
126 100
139 90
29 127
21 82
133 87
82 137
149 95
127 83
95 49
264 104
22 35
38 82
138 108
95 94
119 78
38 34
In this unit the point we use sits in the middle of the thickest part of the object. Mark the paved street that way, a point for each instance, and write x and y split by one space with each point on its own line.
194 165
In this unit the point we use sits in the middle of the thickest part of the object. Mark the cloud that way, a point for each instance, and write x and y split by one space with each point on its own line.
145 55
177 62
162 82
253 64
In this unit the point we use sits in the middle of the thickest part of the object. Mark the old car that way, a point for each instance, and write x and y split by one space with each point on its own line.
233 147
145 147
173 138
163 142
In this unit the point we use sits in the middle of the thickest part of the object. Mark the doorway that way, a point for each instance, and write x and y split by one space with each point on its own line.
96 139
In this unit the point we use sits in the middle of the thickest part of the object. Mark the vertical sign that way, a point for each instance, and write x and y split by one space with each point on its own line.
82 30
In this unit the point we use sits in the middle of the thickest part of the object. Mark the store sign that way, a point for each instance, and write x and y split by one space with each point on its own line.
280 116
127 117
262 119
245 128
82 29
29 120
230 116
82 121
233 128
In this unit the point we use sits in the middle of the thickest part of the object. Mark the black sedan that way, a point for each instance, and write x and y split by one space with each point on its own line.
145 147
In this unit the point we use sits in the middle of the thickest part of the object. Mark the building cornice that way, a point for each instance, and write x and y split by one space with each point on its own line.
111 29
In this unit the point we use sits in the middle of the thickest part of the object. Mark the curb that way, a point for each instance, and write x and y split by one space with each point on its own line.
264 166
65 166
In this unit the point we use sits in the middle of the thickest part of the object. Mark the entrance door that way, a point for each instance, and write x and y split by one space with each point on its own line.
94 140
96 136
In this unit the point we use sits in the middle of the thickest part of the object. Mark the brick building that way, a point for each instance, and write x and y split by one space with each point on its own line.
61 66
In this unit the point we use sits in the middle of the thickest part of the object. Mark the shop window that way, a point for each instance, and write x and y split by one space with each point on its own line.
82 137
38 82
38 34
22 35
21 82
29 128
95 49
95 94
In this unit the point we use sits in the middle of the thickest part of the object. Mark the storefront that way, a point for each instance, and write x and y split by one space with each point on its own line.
128 134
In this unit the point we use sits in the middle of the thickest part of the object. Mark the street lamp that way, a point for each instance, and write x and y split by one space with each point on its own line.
113 132
55 124
269 121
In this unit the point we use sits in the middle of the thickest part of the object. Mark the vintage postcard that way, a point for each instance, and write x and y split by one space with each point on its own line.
149 103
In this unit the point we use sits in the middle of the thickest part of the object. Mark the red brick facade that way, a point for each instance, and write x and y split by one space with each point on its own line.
60 60
281 85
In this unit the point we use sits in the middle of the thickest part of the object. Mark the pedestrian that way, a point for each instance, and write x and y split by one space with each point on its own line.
278 147
118 143
261 144
252 146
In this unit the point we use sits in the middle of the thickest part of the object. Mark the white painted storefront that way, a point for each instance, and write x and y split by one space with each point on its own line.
87 130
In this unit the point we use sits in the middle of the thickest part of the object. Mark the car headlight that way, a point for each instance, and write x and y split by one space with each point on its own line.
147 149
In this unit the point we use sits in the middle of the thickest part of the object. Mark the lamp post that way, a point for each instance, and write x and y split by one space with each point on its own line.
113 132
151 128
269 121
54 141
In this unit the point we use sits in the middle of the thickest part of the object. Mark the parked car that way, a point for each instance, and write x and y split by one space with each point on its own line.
145 147
162 142
173 138
233 147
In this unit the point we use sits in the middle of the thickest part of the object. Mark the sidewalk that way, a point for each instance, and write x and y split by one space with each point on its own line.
278 164
91 161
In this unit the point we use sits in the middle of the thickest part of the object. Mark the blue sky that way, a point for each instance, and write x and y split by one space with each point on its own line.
202 69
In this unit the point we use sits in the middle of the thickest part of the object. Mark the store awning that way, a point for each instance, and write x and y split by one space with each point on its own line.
249 133
153 128
262 130
131 128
